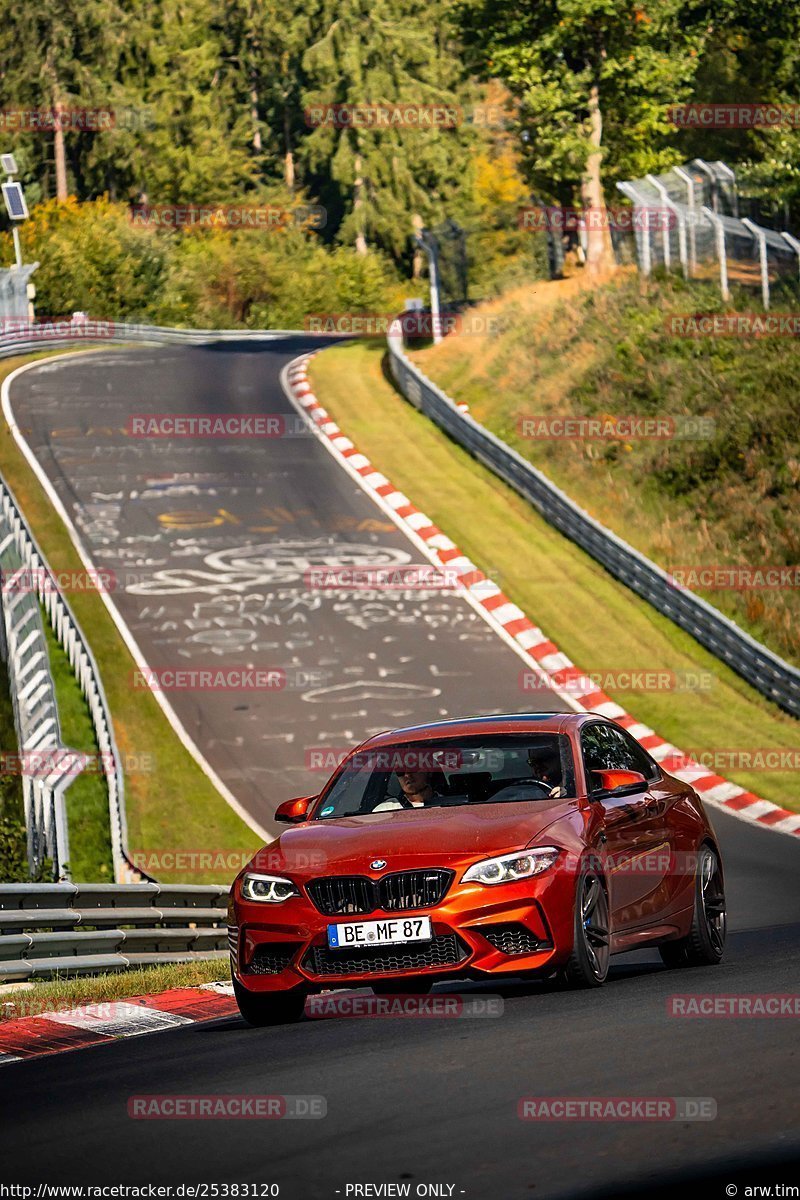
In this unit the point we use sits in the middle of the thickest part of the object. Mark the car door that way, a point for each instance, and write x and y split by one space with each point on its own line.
636 846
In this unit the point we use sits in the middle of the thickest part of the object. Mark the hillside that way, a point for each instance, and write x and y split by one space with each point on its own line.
716 486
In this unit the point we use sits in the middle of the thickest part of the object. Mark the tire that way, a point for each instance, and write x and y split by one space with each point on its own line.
705 942
591 954
269 1008
401 987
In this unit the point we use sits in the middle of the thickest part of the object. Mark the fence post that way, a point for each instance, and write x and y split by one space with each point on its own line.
760 237
719 233
665 200
686 178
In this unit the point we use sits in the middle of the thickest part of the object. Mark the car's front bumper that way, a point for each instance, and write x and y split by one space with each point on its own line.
505 929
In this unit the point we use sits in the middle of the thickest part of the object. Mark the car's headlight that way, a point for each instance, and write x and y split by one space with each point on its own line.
272 889
510 867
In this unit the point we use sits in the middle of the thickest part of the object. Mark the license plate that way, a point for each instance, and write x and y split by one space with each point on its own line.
379 933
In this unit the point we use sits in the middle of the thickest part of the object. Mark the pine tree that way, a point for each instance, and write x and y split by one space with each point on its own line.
55 56
383 52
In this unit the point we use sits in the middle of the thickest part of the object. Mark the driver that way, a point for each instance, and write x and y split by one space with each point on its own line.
418 787
545 767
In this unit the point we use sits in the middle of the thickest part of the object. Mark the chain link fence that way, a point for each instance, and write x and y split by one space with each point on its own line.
687 220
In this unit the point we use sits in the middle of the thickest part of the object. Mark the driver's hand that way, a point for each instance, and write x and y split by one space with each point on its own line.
556 793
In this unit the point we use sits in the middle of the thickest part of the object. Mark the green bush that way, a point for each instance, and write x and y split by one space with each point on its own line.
92 259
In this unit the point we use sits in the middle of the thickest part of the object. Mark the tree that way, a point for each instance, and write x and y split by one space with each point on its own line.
387 53
266 41
593 79
56 56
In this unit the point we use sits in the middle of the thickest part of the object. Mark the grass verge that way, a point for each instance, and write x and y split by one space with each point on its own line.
172 806
595 620
94 989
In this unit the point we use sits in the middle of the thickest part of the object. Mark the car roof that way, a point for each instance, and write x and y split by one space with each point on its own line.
454 727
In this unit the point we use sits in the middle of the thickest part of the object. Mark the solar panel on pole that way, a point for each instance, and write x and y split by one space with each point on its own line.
14 198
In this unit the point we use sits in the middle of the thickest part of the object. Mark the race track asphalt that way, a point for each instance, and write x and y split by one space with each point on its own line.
210 541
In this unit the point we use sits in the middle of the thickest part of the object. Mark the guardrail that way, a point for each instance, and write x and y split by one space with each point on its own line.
33 696
776 679
49 929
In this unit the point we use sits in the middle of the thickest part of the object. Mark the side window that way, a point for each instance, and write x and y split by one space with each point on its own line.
593 753
608 749
643 763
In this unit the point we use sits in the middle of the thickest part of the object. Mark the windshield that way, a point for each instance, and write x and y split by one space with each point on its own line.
480 770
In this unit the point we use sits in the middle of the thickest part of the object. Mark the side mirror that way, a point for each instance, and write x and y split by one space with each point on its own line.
293 812
619 783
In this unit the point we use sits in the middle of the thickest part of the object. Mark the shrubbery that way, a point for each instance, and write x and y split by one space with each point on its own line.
93 258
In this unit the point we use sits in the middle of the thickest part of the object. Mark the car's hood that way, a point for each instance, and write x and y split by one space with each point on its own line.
404 839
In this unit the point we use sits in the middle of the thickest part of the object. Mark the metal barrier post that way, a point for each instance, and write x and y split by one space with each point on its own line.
686 178
760 237
719 232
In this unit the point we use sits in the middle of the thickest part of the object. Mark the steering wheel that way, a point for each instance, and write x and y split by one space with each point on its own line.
526 781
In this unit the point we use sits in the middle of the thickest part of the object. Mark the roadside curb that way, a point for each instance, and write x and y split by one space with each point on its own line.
513 624
54 1032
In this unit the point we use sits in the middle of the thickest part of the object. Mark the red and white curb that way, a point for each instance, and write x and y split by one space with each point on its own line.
93 1024
512 623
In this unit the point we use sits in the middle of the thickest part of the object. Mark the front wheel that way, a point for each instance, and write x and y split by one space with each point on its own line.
269 1008
591 950
705 942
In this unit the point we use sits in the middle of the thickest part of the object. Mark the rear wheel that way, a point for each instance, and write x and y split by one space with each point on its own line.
401 987
269 1008
591 950
706 939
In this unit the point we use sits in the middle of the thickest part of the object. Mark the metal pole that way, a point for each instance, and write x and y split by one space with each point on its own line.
433 271
760 237
17 247
706 169
686 178
665 200
719 230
